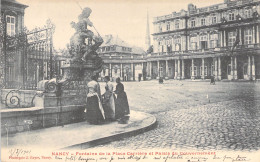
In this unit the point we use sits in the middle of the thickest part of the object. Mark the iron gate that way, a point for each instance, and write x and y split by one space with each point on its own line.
28 57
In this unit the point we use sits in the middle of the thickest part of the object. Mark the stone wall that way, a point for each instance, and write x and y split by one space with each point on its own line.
25 96
26 119
49 110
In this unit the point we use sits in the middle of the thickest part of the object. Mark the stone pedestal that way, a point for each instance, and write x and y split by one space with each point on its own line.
78 71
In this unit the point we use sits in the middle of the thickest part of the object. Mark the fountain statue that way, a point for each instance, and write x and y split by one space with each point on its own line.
60 101
84 60
67 95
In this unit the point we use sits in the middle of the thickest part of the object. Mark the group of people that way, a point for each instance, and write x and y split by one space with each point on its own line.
111 106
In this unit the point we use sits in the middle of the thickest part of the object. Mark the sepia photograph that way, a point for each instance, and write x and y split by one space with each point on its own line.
130 80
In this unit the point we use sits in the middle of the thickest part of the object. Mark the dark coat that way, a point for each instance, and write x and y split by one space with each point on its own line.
122 107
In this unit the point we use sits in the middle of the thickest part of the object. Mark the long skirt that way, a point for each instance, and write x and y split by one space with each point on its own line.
122 107
109 107
93 115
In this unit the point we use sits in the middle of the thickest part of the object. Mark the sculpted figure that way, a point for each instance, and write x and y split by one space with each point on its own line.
78 40
90 51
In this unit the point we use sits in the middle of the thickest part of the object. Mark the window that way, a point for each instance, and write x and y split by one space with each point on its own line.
231 16
178 47
168 26
231 38
203 38
177 40
214 20
169 46
10 25
213 43
177 24
193 41
213 40
177 44
161 71
193 23
248 36
160 28
203 42
247 14
205 71
195 70
203 22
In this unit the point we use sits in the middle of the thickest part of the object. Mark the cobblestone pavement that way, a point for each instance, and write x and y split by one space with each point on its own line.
196 115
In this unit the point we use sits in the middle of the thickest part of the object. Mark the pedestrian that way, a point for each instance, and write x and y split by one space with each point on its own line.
95 111
109 100
161 80
139 77
212 80
122 107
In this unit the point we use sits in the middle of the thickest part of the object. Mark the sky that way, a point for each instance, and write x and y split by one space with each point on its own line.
126 19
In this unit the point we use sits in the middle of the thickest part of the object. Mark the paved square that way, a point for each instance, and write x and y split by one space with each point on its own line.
196 115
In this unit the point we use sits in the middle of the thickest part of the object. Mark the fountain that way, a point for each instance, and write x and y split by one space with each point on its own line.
62 101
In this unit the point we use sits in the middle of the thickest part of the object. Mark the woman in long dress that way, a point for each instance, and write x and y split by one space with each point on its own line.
122 107
95 112
109 100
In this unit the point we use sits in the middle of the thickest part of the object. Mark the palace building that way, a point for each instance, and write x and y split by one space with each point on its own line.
121 59
221 40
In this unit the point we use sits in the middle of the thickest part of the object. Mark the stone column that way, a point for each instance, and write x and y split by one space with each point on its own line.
150 70
249 74
208 40
219 69
235 67
143 70
257 34
121 71
175 69
183 70
166 70
221 41
158 68
203 68
110 70
192 69
224 39
240 36
132 70
179 69
253 68
216 68
232 67
254 31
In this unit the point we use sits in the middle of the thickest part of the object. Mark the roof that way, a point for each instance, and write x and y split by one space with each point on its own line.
110 40
14 2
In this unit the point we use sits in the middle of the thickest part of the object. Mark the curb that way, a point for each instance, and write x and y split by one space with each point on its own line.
115 137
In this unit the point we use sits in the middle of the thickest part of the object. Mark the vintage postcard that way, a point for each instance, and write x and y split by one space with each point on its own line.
132 80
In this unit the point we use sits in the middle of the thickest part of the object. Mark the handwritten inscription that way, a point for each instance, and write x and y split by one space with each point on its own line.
71 156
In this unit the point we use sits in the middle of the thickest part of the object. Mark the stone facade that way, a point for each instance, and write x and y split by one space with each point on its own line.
221 40
12 23
121 59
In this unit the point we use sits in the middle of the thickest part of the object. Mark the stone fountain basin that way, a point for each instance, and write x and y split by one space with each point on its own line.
48 111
